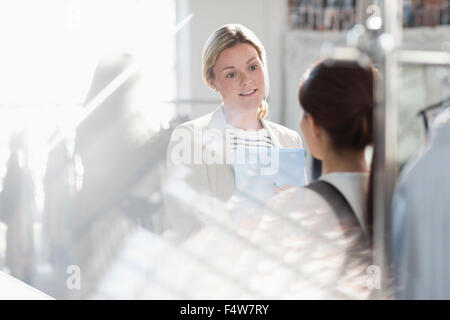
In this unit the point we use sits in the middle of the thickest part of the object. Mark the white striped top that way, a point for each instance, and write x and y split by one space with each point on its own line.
238 138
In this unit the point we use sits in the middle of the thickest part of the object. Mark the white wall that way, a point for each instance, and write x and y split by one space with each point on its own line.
302 50
267 18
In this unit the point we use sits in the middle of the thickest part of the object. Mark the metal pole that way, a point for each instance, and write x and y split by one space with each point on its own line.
385 166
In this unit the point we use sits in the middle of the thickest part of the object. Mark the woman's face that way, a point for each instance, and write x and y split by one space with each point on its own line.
239 77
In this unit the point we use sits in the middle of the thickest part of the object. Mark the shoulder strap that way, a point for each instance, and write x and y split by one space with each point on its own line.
337 201
359 247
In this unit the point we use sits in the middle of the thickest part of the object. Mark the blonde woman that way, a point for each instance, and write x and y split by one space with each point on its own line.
234 65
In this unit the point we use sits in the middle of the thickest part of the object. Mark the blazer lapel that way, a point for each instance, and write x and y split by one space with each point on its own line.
217 119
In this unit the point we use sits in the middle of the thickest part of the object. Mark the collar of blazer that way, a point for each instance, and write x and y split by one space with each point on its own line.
218 122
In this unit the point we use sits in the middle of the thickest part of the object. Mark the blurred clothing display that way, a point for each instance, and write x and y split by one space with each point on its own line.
332 15
420 220
446 12
18 210
321 15
348 14
315 16
408 17
60 188
430 13
433 11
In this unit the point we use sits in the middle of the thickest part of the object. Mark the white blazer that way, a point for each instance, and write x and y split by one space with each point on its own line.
218 179
213 180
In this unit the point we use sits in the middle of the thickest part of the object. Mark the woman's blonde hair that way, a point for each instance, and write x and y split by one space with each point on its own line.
226 37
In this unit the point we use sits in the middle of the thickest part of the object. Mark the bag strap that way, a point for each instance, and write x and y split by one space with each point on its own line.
337 201
348 221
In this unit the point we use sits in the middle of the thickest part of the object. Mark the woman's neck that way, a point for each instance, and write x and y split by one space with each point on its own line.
344 161
245 119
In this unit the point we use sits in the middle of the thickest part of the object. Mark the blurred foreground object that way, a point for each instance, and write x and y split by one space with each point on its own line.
13 289
18 209
98 192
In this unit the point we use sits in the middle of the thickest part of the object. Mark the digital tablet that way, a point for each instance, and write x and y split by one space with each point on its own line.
259 171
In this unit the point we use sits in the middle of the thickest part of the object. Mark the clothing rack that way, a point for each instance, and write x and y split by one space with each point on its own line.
423 112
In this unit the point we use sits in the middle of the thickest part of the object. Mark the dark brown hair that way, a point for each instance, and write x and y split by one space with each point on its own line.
340 99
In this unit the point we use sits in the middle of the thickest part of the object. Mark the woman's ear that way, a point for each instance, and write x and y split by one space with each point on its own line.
316 129
212 84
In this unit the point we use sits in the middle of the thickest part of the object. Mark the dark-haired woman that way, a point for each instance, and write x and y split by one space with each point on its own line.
330 217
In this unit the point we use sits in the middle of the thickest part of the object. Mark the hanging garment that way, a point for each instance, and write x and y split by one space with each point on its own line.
421 218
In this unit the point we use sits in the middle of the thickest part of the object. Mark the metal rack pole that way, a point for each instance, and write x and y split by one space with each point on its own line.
385 167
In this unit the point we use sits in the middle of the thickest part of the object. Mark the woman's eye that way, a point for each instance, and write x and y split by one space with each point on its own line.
231 75
254 67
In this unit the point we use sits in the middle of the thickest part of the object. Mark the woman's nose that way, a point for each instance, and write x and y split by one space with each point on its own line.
245 79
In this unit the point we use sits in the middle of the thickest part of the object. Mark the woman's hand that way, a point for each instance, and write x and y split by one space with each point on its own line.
279 189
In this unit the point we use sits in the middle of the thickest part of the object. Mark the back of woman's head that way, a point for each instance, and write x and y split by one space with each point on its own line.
340 99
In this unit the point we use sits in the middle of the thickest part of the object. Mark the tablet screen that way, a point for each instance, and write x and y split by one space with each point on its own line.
259 171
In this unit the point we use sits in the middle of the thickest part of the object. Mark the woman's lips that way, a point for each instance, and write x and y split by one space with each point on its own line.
248 93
